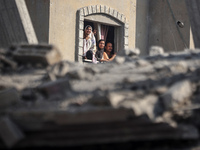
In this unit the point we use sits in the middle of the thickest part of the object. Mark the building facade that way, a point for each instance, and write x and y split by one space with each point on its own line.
128 23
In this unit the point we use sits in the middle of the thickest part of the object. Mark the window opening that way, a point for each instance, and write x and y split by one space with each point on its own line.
103 31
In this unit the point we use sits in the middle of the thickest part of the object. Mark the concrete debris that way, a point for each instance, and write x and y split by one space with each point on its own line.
129 99
156 50
37 54
5 61
177 94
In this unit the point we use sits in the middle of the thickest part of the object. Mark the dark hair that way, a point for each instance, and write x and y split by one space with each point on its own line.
108 42
99 42
112 45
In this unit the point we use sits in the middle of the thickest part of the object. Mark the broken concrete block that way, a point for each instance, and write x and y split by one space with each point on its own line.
9 132
132 52
119 59
58 87
156 50
177 94
146 105
8 97
34 54
60 69
115 98
8 62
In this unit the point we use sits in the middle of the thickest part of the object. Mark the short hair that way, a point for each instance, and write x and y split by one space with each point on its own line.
108 42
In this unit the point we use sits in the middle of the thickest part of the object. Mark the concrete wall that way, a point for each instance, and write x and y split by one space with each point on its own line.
62 27
15 24
142 17
39 13
163 30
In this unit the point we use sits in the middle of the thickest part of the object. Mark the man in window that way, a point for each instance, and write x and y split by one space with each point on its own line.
109 55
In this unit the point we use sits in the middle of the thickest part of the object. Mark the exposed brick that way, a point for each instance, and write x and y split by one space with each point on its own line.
81 26
126 40
98 8
85 11
115 13
80 50
119 16
123 18
94 9
111 11
81 18
81 42
106 9
81 12
126 25
102 9
89 10
126 32
126 47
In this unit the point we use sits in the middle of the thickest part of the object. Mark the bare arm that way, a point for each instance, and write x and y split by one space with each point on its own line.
106 58
112 57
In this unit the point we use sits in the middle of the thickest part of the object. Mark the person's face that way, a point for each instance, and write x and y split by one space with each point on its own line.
88 30
109 47
101 44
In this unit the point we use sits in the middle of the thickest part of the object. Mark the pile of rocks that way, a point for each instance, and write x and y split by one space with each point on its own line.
130 99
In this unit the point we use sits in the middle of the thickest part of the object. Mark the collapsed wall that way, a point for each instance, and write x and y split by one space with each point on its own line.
62 104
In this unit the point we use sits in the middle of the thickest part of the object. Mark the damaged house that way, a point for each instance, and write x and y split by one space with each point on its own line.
128 24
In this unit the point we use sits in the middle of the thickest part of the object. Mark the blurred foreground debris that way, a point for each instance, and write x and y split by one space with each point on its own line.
44 54
67 104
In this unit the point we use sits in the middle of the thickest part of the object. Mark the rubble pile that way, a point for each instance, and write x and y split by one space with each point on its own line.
62 104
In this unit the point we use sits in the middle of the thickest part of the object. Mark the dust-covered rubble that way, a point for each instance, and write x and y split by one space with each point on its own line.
132 99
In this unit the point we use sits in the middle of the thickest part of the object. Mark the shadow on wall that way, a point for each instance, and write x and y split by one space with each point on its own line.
39 14
156 24
142 7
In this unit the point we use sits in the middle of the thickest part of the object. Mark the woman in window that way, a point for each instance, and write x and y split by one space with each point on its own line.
100 50
89 44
